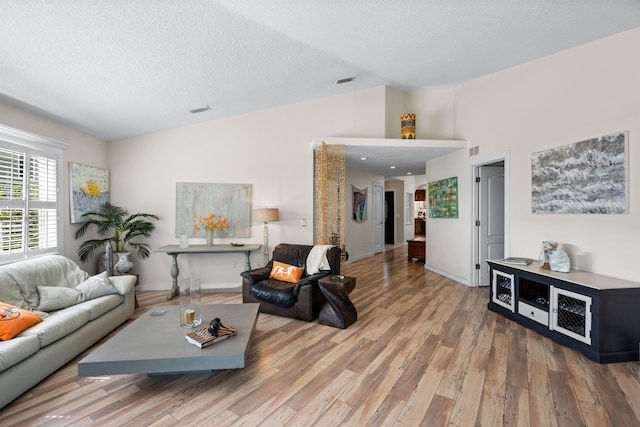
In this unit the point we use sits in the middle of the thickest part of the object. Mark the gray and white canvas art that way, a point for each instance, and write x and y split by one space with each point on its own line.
587 177
231 201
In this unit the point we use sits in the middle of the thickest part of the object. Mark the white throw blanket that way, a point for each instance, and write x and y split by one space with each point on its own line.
317 259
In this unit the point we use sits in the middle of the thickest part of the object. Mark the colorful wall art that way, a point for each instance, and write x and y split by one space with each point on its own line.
586 177
231 201
443 198
89 189
359 204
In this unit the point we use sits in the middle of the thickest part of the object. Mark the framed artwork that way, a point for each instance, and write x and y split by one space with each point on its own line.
586 177
231 201
443 198
89 189
359 204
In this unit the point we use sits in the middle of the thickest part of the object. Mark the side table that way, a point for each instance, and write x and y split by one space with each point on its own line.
416 248
338 311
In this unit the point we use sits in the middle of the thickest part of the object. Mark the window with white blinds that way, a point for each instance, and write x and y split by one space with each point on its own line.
29 205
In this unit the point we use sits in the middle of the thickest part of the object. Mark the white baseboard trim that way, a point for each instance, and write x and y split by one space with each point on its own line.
212 288
206 288
447 275
358 258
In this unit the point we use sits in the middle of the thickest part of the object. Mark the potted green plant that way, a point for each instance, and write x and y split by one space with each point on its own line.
116 225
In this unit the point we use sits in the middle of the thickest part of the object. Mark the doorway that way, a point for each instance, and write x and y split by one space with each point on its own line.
490 223
389 216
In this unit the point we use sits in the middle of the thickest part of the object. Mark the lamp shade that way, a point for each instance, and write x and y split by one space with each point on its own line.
267 214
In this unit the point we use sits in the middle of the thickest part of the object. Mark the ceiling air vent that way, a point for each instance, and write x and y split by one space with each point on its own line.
345 80
200 110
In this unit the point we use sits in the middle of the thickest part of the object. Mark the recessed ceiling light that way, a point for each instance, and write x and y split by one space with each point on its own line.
363 158
393 167
200 110
345 80
408 173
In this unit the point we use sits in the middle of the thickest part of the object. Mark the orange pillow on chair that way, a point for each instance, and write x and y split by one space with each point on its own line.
14 320
286 272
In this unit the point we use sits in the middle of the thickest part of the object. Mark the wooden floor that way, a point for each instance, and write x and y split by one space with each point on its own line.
425 351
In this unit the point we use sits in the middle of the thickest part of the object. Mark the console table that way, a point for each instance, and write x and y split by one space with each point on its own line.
417 248
596 315
175 250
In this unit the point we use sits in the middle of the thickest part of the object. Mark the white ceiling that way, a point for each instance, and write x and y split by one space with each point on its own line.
121 68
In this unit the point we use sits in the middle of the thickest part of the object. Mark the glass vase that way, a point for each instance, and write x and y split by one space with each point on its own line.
190 308
209 237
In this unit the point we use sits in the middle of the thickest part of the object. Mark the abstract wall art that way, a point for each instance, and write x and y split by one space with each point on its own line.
443 198
359 204
586 177
231 201
89 189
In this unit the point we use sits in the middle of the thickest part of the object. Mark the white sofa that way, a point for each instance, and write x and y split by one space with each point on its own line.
63 333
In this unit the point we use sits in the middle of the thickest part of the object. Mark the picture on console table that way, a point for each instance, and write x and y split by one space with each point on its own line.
231 201
586 177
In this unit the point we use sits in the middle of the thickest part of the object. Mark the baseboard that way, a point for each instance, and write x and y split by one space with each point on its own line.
206 288
214 288
358 258
447 275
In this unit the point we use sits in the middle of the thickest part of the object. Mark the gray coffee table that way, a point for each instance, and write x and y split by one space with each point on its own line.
155 345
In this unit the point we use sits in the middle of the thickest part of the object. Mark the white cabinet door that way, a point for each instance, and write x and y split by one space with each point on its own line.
502 290
571 314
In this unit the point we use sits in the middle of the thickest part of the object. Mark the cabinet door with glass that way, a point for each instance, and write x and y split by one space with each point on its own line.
502 290
571 314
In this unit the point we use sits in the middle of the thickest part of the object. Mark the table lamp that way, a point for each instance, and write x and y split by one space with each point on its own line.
267 215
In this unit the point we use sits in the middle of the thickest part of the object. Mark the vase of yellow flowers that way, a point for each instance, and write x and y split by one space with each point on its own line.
210 224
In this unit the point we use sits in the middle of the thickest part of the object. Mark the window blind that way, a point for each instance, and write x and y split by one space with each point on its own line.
29 205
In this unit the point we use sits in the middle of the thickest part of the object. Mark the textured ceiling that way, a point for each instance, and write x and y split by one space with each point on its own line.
121 68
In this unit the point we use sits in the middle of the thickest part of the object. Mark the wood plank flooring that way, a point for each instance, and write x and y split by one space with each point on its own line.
425 351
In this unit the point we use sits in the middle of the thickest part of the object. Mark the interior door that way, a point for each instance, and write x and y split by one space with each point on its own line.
491 216
378 217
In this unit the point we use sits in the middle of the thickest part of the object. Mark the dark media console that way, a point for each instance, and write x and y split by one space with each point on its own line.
596 315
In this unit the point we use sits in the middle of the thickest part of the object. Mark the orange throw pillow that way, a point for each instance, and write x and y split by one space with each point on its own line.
286 272
14 320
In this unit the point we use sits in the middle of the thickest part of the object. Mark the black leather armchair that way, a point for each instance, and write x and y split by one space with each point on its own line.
302 300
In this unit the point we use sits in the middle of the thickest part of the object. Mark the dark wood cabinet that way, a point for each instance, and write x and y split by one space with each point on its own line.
593 314
417 248
420 195
419 227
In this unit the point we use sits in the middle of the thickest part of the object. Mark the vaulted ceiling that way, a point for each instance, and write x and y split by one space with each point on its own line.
121 68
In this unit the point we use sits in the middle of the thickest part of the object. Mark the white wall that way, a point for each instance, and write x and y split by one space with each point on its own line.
448 238
271 150
581 93
360 235
434 109
83 149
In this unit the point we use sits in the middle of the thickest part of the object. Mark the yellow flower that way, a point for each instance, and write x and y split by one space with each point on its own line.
91 189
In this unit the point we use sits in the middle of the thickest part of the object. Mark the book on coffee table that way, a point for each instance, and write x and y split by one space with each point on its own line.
202 337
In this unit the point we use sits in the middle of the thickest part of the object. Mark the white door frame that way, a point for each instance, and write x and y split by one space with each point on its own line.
474 166
381 209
